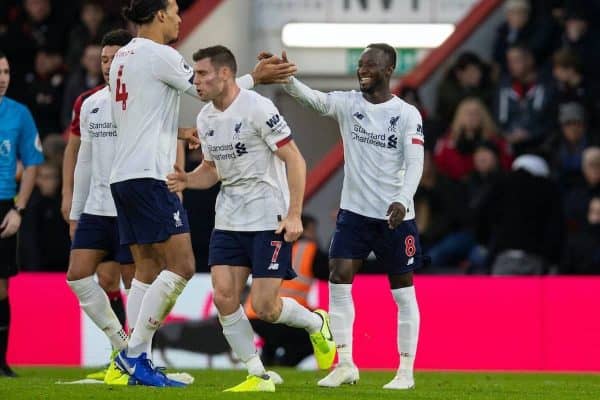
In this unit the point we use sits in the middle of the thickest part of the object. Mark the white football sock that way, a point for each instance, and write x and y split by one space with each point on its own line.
341 314
158 301
297 316
240 336
134 302
94 302
408 327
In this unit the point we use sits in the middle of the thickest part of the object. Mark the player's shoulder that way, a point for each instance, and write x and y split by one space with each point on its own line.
161 50
206 109
14 106
85 95
251 97
96 98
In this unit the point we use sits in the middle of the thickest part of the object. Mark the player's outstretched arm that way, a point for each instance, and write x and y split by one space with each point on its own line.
291 226
272 69
203 177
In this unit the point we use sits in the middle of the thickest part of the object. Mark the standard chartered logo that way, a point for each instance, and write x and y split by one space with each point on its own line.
361 135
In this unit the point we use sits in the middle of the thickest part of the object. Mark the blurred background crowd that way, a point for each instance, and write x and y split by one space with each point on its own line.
511 183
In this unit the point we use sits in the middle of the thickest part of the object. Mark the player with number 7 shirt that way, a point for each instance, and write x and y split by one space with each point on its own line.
248 147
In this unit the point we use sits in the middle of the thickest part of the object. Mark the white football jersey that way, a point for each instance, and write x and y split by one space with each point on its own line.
241 141
383 148
147 80
97 128
374 137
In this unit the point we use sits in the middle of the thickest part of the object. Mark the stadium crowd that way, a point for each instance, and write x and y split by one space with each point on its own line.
511 183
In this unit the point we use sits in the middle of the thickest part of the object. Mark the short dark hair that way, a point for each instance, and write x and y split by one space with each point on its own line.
143 11
220 56
117 37
2 55
389 51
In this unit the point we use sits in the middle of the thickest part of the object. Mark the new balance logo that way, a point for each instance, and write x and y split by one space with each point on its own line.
210 133
240 149
392 142
358 115
273 267
95 110
273 121
177 218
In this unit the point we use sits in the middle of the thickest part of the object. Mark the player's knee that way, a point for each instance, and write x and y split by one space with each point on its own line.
75 274
266 310
226 302
186 267
108 282
340 275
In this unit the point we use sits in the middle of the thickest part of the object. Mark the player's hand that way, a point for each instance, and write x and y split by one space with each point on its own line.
273 69
10 224
395 213
291 227
65 206
177 181
190 135
72 227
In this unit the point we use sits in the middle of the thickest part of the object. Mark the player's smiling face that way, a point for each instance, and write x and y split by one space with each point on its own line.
209 84
372 71
4 76
172 21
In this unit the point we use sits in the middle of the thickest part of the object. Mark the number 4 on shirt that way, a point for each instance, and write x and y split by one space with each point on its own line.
121 92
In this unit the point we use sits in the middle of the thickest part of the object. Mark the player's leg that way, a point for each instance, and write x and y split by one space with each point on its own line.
92 298
8 268
400 252
109 279
403 291
176 254
350 245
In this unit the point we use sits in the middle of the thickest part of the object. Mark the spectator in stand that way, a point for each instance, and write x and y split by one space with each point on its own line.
566 148
36 27
54 148
577 198
472 124
524 103
582 255
469 76
526 219
572 86
86 77
44 90
439 204
91 29
537 33
45 237
582 39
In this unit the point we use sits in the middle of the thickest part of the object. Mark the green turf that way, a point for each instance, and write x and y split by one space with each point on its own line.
39 383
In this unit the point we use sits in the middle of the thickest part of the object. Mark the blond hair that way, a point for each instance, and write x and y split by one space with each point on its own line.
488 127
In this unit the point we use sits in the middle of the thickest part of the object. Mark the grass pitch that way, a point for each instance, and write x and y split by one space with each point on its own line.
40 383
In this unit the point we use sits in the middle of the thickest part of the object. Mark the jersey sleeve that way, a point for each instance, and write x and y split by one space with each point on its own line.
170 67
74 127
272 127
414 152
83 125
326 104
30 146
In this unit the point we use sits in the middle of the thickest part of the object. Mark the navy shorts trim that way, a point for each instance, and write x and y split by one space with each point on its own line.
356 236
147 212
264 252
95 232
